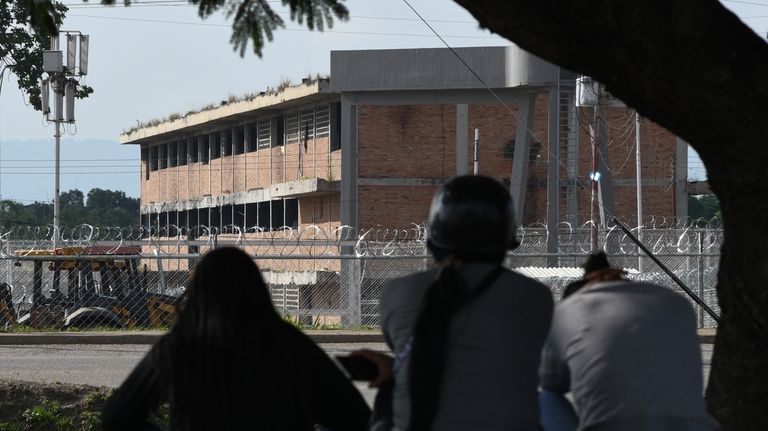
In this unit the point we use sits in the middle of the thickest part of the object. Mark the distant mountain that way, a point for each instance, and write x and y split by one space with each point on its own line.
27 168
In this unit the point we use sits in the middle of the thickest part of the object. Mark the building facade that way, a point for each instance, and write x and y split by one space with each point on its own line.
369 147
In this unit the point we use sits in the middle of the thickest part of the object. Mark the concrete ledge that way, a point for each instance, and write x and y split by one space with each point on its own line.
150 337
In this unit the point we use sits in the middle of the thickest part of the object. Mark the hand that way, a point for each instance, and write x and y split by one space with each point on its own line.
383 362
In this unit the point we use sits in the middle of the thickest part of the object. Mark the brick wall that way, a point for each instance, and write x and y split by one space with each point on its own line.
417 142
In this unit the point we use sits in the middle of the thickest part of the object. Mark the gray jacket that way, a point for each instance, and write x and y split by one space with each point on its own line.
490 377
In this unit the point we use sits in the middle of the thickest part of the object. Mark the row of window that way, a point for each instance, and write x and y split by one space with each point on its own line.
321 121
270 215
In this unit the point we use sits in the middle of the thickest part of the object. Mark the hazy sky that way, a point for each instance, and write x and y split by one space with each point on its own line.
157 57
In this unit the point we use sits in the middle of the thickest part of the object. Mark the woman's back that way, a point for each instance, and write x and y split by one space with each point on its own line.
232 363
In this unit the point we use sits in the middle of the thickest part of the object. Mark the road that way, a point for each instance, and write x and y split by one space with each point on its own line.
104 365
108 365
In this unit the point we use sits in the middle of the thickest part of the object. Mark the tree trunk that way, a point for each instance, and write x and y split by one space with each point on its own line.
696 69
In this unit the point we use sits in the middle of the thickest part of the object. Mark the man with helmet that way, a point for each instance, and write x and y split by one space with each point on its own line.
467 335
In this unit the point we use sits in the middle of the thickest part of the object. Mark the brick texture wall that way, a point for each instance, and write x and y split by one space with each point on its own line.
401 145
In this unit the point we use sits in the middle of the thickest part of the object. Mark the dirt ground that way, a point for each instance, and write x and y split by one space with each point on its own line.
28 406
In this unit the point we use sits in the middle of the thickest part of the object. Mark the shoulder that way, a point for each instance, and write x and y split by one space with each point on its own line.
406 288
527 286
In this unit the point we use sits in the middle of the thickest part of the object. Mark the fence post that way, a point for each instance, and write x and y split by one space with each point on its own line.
701 277
353 284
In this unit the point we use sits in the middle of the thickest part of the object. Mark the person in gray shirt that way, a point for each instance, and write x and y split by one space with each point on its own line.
629 354
468 334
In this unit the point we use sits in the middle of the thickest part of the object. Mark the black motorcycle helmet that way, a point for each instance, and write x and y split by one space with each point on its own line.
472 218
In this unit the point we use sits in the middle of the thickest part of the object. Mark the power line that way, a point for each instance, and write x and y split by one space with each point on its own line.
158 21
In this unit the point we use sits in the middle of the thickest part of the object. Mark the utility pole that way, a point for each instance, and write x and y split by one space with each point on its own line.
62 79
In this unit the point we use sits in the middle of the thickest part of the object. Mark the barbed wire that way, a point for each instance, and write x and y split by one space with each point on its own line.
661 235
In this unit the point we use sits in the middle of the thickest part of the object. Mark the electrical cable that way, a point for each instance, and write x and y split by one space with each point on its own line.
367 33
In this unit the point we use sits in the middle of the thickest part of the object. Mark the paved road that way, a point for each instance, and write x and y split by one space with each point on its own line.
102 365
108 365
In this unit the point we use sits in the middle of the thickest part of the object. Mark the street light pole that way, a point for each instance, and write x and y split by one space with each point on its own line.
62 79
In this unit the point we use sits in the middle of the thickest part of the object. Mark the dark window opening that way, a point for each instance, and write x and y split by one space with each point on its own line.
192 218
215 145
215 218
205 150
183 152
204 217
279 131
239 140
226 143
251 215
238 215
292 213
264 213
253 136
194 150
335 126
278 212
226 215
173 220
163 156
173 155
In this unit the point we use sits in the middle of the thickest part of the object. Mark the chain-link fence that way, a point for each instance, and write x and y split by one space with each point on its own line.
321 277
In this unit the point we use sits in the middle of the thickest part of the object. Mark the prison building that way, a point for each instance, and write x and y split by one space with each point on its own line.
369 146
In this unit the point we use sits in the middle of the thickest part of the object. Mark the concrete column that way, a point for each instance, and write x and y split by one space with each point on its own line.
462 125
681 181
350 268
553 171
519 178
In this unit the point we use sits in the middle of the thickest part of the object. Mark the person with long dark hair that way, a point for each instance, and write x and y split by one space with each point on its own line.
231 363
466 335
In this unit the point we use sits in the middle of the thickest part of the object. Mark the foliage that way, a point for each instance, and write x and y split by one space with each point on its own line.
102 208
63 407
21 51
704 207
252 20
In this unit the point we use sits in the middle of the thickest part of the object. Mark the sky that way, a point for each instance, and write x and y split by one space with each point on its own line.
158 57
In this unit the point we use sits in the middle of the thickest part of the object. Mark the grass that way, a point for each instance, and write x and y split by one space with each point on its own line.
30 406
23 329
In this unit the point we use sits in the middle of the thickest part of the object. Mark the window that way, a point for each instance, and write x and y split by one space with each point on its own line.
279 132
194 150
238 215
264 131
323 121
153 158
183 152
335 126
215 145
173 155
307 131
264 213
163 156
292 128
251 215
292 213
205 150
145 162
226 215
253 136
226 142
278 211
239 139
